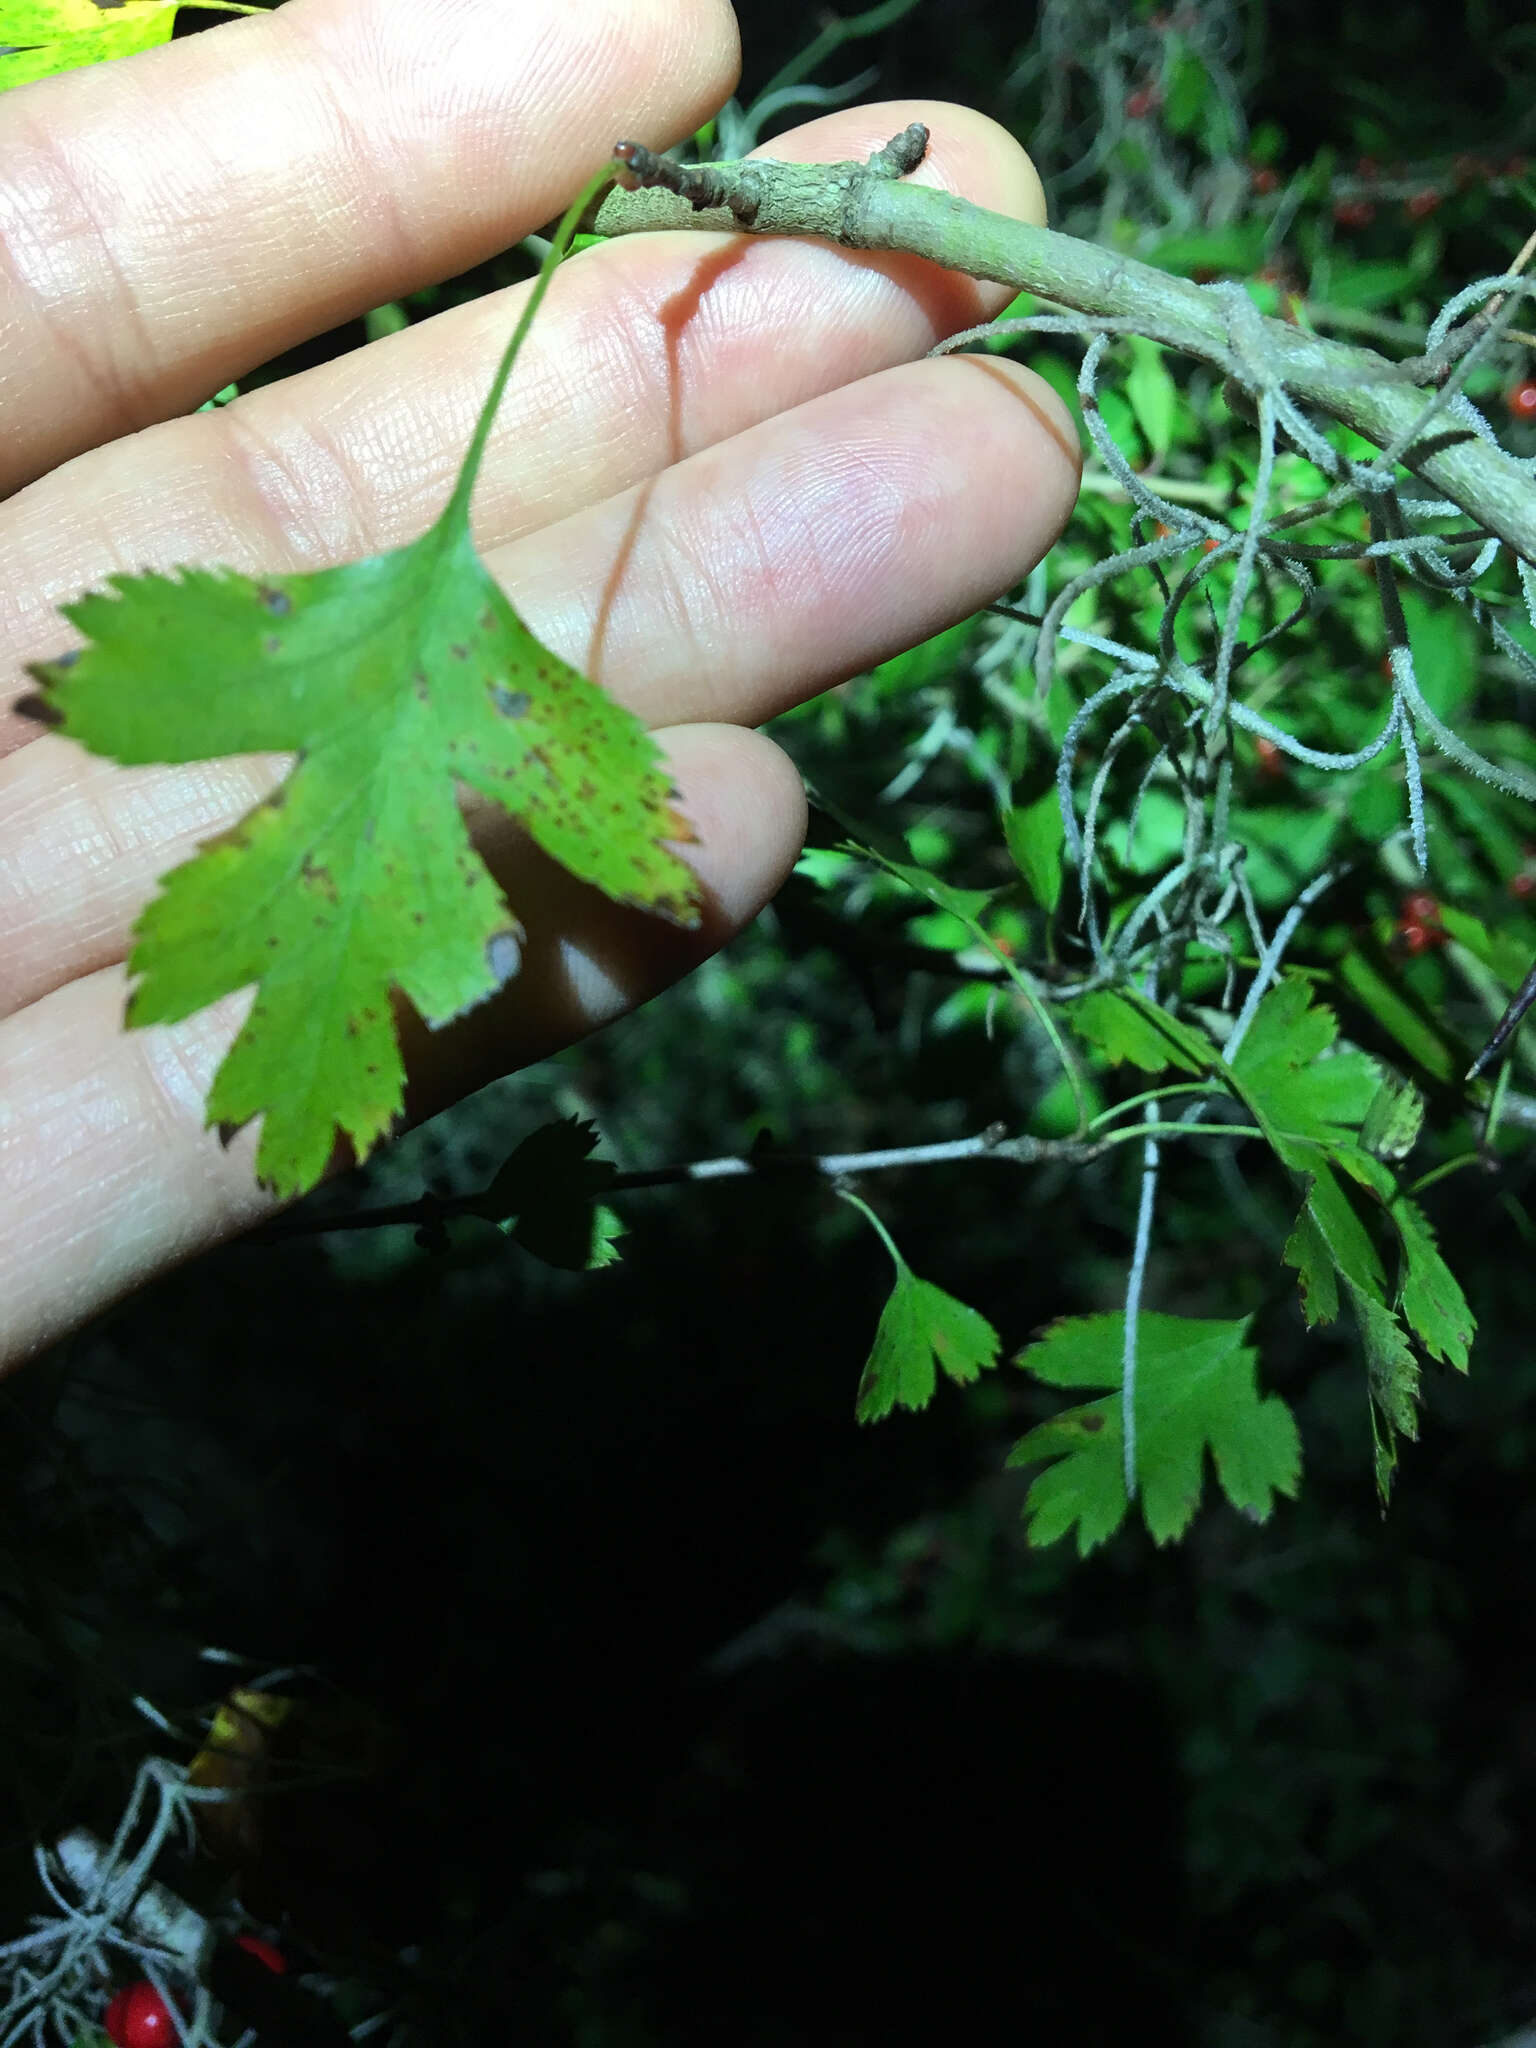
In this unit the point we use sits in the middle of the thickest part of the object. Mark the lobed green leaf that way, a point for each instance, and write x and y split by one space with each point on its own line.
1195 1392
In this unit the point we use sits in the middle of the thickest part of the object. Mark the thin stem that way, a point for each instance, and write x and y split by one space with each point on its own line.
1443 1172
455 514
857 1202
835 32
1150 1095
992 1143
1161 1131
1145 1211
1500 1106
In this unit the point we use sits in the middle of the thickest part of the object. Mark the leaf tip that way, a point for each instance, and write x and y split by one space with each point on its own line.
40 709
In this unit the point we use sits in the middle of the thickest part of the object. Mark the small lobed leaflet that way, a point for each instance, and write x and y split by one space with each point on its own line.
395 681
921 1330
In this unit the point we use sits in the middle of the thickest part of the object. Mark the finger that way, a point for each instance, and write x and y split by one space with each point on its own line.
169 221
739 582
646 350
107 1175
810 548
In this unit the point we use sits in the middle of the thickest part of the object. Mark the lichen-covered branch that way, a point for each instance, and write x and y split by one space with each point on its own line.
867 206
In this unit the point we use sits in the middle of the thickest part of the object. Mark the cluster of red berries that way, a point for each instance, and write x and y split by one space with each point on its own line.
1418 923
139 2017
1359 212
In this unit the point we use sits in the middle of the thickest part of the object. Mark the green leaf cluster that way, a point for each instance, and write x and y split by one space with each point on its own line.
1338 1125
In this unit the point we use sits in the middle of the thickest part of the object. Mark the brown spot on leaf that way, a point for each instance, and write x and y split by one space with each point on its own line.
273 643
1092 1424
277 602
318 878
511 703
459 653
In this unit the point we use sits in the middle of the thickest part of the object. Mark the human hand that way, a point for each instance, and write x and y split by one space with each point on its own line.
718 484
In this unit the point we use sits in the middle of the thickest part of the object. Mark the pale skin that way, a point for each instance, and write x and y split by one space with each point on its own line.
721 482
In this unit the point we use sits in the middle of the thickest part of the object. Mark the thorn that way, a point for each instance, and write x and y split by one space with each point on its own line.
1504 1030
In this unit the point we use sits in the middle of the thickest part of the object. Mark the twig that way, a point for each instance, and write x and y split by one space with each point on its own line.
867 206
431 1211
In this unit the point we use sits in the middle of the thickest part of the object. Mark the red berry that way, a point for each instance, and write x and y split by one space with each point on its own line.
1141 102
1418 938
265 1952
1419 907
1353 213
1266 179
1271 760
1522 886
1418 204
1521 399
140 2018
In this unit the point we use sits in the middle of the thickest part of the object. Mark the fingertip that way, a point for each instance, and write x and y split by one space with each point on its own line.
743 797
1052 415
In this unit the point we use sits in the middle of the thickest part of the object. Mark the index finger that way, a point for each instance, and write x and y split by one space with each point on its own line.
168 221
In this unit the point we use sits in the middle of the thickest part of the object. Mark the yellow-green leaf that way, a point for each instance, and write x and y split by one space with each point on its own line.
48 36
